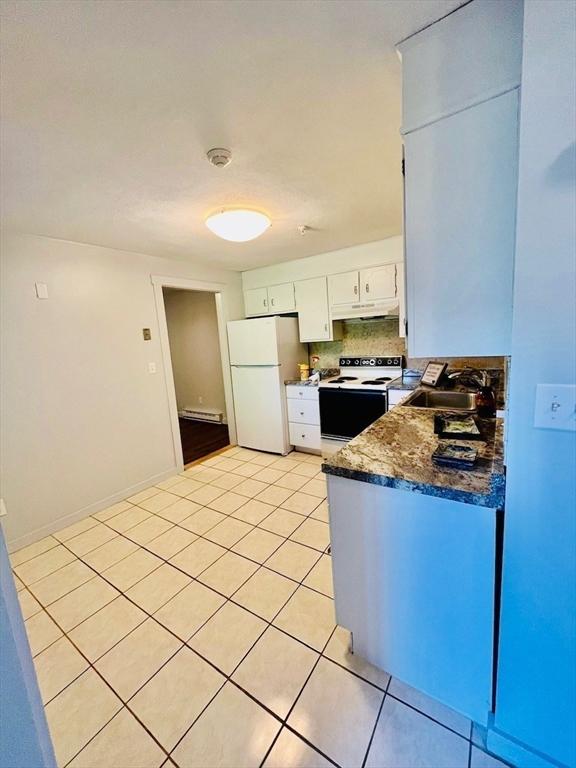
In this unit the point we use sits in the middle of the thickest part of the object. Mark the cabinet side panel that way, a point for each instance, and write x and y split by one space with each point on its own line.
461 180
414 582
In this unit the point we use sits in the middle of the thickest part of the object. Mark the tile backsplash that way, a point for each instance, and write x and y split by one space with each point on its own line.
380 337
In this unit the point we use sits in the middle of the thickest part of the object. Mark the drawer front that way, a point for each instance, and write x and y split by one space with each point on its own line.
293 391
304 411
305 435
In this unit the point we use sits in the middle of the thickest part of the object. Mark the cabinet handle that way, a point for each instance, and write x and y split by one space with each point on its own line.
356 290
367 287
265 302
272 301
301 413
303 436
326 327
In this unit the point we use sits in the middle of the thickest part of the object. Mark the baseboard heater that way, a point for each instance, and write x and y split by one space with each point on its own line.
202 414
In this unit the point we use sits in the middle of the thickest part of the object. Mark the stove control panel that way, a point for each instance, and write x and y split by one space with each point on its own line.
371 362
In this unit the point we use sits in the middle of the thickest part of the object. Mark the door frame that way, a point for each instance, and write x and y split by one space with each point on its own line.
221 300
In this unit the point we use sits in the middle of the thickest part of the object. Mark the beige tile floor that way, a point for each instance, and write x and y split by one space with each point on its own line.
192 625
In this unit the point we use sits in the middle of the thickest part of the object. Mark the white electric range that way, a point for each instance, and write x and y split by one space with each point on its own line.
357 397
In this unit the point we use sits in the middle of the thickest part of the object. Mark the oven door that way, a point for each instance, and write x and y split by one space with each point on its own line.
344 413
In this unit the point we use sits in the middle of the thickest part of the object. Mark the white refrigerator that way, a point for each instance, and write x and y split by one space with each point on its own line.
263 353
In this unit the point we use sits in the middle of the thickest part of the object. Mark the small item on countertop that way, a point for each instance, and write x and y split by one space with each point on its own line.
433 373
455 456
456 427
486 402
304 369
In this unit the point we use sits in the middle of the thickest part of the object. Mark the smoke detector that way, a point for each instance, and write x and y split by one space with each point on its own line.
219 157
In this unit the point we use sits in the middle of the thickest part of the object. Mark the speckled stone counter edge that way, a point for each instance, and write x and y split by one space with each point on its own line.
340 465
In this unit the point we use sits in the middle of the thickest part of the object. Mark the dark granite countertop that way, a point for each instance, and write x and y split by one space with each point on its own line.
396 452
405 382
299 383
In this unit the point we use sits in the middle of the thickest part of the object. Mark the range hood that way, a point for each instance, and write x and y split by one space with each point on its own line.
383 308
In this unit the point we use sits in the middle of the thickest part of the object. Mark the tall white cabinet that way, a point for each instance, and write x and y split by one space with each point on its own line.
461 177
314 320
460 127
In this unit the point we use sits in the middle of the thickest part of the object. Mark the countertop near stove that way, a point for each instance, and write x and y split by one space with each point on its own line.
300 383
396 452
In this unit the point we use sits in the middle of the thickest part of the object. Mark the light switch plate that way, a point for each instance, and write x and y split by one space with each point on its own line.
151 367
555 406
41 290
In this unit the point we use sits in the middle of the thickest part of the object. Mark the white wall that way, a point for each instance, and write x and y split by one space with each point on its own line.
83 422
386 251
536 693
195 349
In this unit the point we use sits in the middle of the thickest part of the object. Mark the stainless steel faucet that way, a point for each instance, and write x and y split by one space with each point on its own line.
470 377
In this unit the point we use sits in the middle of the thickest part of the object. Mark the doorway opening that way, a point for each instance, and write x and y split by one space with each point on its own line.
195 353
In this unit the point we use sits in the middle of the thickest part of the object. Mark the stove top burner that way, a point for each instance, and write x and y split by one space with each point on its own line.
381 380
342 379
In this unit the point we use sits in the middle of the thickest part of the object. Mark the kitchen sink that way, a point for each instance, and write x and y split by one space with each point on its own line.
451 401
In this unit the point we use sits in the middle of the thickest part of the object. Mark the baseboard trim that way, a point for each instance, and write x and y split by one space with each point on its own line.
516 753
61 522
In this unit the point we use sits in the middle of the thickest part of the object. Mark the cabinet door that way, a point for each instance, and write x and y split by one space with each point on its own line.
256 301
378 283
461 179
401 293
343 288
312 306
281 298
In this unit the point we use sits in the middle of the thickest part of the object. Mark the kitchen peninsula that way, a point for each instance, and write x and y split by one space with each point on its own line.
414 549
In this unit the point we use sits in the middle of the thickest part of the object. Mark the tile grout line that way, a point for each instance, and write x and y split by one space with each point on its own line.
226 598
228 677
380 708
229 598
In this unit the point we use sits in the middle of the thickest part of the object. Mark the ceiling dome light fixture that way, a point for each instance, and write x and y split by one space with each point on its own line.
238 224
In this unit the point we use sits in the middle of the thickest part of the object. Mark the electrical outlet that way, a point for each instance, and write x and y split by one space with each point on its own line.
555 406
151 367
200 399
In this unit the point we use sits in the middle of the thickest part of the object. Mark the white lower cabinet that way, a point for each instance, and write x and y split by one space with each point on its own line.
414 582
303 417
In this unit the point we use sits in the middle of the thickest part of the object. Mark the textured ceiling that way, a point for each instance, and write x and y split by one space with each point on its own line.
108 109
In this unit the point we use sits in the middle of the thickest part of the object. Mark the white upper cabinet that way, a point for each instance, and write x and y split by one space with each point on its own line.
281 298
401 292
313 311
460 188
274 300
460 81
256 301
378 283
471 55
343 288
